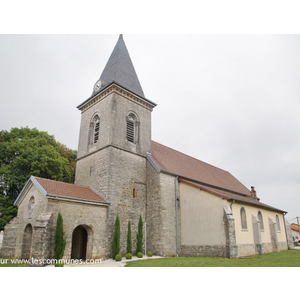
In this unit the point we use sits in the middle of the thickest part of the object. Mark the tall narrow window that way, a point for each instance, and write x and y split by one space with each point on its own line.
132 128
260 218
94 130
130 131
243 218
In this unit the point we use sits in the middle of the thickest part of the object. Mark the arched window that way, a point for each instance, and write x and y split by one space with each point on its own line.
132 128
277 223
243 218
94 130
260 218
31 206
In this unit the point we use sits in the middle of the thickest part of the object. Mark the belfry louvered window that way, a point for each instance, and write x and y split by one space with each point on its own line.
94 130
132 128
130 131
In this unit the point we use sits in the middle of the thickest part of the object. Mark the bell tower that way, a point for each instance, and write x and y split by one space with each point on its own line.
115 136
117 113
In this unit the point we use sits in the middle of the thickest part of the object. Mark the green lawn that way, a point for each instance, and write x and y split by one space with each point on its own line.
4 262
290 258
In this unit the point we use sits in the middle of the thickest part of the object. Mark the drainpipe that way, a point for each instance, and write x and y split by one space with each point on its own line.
145 238
231 204
176 215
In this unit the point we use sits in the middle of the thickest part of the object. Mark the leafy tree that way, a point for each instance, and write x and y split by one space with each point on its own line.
129 239
59 239
139 237
116 239
25 152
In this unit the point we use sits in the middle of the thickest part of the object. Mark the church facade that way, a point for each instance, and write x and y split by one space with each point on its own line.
189 208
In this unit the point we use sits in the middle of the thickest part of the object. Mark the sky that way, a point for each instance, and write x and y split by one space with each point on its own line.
229 100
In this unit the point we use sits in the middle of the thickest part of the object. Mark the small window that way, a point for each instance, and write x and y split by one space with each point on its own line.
278 223
260 218
243 218
134 193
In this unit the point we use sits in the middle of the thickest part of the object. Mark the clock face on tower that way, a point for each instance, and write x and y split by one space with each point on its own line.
97 86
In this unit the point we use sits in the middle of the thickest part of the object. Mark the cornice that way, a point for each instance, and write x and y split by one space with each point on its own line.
115 88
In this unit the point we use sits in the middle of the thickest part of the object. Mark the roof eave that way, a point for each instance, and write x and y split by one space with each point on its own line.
265 206
33 181
77 200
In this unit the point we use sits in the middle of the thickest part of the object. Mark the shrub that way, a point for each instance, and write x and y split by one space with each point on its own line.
139 255
139 237
129 239
128 256
118 257
115 247
59 263
59 240
149 254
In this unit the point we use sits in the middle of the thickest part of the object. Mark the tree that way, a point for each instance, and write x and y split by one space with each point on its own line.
25 152
129 240
116 239
139 237
59 239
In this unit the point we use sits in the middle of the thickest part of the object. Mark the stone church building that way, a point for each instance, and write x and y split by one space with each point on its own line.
189 207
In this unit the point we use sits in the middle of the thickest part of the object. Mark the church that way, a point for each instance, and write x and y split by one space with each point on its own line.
189 207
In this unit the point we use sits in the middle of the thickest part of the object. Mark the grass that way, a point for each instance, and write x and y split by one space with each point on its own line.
6 262
290 258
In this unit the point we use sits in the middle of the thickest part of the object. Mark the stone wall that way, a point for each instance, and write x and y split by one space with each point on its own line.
1 238
91 216
113 165
229 222
204 251
155 240
127 194
161 218
10 239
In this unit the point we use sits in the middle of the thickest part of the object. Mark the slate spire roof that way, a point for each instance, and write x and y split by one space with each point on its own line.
119 69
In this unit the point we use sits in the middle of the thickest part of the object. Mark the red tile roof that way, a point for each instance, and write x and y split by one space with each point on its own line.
68 190
175 162
202 175
295 227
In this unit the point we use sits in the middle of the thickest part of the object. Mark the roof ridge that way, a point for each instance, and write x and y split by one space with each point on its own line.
59 181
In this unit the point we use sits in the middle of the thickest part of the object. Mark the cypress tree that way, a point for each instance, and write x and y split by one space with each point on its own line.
59 239
116 239
139 237
129 240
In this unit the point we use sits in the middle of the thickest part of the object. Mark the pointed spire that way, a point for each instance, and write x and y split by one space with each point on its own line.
119 69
